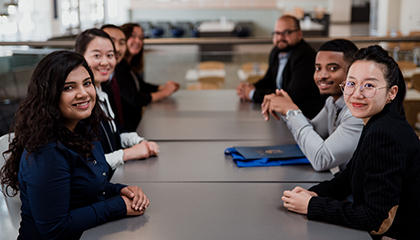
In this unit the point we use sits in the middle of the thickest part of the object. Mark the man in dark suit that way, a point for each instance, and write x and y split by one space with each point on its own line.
291 68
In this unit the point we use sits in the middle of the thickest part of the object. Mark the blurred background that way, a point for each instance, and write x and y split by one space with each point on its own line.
182 34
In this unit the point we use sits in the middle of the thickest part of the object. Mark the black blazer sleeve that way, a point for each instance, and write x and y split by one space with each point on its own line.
132 101
297 80
145 87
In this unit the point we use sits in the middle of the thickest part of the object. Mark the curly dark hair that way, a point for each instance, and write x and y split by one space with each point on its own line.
391 70
38 120
137 62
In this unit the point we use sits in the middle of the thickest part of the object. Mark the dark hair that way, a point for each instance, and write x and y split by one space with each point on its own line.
137 62
340 45
110 26
391 70
38 120
84 38
295 20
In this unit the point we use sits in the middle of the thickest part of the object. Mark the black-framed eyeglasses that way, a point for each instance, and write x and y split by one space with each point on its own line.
367 90
285 33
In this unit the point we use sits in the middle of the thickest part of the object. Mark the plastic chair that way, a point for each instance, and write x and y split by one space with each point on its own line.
177 32
13 203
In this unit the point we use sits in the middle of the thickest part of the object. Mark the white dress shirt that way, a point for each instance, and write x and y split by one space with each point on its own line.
128 140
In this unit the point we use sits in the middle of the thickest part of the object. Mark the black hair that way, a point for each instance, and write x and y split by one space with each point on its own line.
137 61
391 70
84 38
110 26
38 120
347 47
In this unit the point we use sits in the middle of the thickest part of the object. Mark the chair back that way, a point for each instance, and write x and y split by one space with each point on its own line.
211 65
250 66
203 86
13 203
406 65
213 80
254 71
416 81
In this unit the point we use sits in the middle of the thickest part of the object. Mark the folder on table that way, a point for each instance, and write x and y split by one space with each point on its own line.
272 152
264 156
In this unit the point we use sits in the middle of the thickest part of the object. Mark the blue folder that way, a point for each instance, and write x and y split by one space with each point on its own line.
262 162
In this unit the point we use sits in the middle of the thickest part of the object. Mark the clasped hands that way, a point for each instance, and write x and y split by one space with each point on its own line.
298 199
243 90
279 102
135 200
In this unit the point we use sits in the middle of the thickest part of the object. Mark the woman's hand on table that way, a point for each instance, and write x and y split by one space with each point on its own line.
135 200
297 200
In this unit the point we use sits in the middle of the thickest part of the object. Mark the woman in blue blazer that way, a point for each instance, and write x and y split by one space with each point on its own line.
56 162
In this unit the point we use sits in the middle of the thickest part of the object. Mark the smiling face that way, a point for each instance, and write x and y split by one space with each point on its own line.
368 74
119 40
135 41
284 43
77 98
330 71
99 55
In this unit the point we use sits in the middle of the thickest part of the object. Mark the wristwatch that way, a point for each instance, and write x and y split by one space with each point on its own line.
290 113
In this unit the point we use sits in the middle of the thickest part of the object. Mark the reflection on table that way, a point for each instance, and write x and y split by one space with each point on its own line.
205 161
209 210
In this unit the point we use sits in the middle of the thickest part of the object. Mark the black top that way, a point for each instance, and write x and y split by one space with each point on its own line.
110 140
383 176
132 100
298 80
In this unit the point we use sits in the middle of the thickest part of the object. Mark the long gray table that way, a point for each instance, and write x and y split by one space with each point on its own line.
203 100
191 211
208 115
204 161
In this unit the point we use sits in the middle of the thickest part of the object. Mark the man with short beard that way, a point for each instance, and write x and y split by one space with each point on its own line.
329 139
291 65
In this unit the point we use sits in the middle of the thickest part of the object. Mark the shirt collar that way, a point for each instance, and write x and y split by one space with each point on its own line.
101 94
284 55
340 103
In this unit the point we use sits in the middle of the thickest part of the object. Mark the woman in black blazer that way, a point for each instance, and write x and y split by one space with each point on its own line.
383 174
135 92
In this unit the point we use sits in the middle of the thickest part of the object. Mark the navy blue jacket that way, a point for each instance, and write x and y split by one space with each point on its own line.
63 194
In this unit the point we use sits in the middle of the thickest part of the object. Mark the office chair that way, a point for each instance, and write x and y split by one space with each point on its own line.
13 203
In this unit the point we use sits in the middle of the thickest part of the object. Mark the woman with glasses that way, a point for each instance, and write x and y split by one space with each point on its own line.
135 92
383 174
